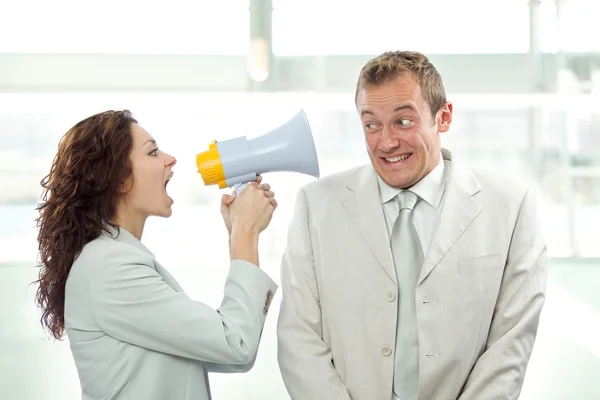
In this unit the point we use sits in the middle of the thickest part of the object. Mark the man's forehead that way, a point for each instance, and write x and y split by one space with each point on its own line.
389 97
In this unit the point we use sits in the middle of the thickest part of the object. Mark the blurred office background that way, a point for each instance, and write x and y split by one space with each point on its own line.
524 77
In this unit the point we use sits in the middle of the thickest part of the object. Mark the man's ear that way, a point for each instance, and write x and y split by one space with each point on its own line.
445 117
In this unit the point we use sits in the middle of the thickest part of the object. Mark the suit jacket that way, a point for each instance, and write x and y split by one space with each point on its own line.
479 294
134 333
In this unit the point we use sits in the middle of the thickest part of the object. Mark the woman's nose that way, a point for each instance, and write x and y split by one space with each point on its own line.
171 161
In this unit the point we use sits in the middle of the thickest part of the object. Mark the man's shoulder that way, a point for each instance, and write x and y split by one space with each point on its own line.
500 185
337 180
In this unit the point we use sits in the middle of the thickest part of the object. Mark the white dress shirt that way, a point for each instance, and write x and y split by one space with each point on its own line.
430 190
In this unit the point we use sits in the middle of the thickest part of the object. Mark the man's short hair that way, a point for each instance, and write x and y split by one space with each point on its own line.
390 65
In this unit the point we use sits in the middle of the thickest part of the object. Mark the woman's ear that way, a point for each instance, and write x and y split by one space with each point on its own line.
126 186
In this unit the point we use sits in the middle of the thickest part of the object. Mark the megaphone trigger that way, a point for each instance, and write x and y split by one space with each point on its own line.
239 187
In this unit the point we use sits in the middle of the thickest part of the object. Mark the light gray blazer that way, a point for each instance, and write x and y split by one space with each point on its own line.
479 295
135 335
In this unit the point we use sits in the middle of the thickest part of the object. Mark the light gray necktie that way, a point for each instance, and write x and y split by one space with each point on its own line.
408 260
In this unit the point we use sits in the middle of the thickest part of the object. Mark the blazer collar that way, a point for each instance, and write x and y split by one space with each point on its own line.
430 188
124 236
362 201
459 209
365 177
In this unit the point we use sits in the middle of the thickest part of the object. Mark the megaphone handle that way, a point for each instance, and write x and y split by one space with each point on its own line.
239 187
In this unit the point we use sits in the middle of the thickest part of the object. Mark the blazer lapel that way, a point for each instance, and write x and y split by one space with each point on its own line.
459 209
124 236
167 277
363 204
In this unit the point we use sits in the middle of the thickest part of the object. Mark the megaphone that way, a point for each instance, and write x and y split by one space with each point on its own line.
237 161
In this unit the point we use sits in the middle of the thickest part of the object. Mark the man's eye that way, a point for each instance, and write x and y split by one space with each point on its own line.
403 122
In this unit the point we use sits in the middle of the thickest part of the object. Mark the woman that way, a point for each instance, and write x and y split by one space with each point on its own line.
133 332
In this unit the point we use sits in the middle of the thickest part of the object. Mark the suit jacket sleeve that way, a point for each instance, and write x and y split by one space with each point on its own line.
132 303
232 368
500 370
304 359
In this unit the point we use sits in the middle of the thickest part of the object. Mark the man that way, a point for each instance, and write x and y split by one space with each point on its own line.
414 277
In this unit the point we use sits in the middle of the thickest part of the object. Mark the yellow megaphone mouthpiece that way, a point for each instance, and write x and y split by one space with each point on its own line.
210 166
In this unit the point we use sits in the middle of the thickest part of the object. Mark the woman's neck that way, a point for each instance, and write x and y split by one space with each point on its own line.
131 221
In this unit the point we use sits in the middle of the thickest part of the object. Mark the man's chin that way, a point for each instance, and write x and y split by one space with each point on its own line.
396 181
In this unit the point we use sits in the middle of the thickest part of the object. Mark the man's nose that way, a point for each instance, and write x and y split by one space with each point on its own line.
389 140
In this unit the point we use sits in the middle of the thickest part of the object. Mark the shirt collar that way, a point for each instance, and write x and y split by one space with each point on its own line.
430 188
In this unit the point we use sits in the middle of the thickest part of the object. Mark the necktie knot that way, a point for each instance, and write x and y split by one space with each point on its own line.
407 199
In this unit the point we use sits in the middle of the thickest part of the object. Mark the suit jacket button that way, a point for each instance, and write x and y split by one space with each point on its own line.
390 296
268 302
386 351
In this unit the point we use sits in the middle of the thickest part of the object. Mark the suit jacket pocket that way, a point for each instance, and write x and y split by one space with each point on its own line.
468 265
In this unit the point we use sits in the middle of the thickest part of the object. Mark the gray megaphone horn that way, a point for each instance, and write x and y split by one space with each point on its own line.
237 161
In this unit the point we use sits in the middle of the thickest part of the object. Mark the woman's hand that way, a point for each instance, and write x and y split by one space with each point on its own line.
246 215
228 199
251 210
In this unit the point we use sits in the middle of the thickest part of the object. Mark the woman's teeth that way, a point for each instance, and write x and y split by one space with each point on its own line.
169 178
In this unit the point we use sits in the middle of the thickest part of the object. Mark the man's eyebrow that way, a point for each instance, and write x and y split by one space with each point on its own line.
399 108
405 107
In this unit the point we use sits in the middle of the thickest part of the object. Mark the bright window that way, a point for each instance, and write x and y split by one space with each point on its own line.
317 27
578 27
125 27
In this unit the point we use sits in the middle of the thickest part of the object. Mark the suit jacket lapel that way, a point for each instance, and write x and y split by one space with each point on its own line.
363 204
459 209
167 277
124 236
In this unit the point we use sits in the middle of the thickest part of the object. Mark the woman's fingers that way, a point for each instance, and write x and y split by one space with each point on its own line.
227 199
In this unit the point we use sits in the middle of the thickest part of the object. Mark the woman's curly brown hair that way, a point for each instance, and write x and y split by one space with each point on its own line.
80 197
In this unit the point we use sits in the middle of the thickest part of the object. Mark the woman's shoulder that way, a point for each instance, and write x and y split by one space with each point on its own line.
108 251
